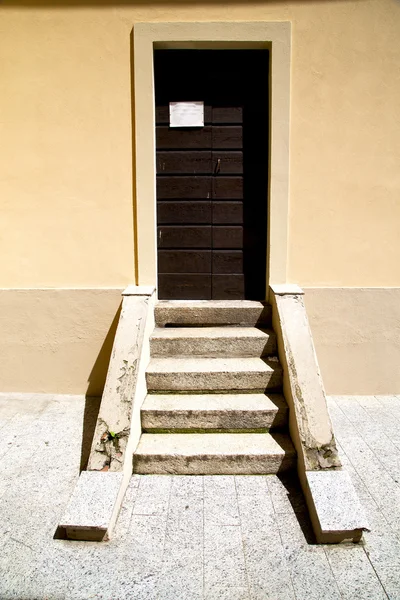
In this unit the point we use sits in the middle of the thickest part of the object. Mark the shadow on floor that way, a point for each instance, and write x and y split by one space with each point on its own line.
296 498
92 407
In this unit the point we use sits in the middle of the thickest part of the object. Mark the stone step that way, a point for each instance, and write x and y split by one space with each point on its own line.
213 454
213 374
212 341
212 312
213 412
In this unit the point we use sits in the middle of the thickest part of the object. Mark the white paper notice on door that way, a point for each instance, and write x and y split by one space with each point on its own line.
186 114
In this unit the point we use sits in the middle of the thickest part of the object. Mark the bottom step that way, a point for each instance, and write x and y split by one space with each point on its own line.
214 454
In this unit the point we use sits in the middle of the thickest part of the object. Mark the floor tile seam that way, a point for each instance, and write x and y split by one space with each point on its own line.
392 409
276 512
242 542
392 412
28 458
389 444
378 507
276 515
385 412
134 503
128 525
160 568
32 422
6 422
44 409
224 525
381 466
342 415
345 417
380 460
20 434
168 511
380 396
332 572
271 499
390 419
217 499
370 418
203 545
356 425
376 572
372 497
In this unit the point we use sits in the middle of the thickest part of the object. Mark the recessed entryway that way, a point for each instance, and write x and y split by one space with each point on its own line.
227 36
212 173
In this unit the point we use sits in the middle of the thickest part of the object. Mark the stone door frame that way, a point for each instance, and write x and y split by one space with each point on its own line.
276 36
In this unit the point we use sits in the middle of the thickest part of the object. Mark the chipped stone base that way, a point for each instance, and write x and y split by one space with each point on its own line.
114 420
95 503
92 506
335 510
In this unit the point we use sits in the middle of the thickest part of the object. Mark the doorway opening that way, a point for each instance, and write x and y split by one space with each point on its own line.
212 178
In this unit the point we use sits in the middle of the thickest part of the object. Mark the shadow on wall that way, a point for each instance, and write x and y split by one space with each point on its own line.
96 382
98 374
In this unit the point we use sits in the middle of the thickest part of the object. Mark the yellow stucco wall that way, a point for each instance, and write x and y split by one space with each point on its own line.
66 139
57 341
66 182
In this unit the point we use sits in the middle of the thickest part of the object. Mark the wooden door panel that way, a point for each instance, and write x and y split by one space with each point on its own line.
228 287
184 261
213 222
182 212
185 286
227 114
170 236
187 188
186 161
227 237
170 138
230 213
227 137
228 187
230 162
227 261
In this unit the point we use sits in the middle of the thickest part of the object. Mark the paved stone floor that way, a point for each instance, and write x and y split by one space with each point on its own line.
192 537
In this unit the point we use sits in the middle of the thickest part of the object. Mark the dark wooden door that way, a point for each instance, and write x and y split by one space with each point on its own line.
212 182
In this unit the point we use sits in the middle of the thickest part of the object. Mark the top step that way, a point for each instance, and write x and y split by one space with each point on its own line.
245 313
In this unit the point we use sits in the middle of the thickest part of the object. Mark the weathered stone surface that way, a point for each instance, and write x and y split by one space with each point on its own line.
311 426
114 420
334 508
215 453
183 374
214 411
91 506
212 341
339 511
212 312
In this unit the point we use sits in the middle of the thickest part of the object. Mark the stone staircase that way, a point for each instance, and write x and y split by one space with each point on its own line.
214 403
